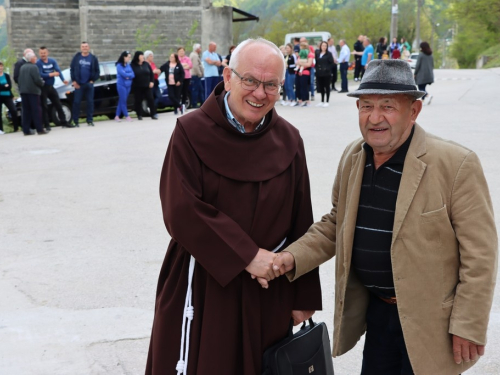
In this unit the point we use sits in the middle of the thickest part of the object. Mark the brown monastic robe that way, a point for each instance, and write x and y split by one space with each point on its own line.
224 194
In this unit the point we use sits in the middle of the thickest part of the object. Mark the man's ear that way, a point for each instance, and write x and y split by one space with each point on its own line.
226 74
416 107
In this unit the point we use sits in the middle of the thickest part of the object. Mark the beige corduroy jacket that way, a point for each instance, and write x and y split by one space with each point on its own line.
444 252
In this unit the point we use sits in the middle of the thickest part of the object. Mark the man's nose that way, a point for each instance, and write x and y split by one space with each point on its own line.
260 92
376 116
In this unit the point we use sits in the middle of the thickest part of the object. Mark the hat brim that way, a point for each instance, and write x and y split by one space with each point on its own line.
415 93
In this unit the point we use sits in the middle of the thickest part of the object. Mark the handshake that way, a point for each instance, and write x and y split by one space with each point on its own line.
267 266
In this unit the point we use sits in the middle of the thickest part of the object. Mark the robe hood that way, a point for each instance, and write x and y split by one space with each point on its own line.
252 157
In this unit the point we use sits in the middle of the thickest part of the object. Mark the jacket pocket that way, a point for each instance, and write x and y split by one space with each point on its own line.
434 215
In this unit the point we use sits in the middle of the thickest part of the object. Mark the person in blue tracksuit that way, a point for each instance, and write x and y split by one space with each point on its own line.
124 77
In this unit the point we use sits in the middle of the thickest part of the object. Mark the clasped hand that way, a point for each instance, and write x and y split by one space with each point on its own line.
267 266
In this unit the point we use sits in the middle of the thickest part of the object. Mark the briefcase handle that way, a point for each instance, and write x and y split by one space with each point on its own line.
290 327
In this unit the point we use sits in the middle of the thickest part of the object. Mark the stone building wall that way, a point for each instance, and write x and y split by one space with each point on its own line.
108 25
51 23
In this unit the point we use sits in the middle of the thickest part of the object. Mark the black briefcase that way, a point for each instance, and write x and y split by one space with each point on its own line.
306 352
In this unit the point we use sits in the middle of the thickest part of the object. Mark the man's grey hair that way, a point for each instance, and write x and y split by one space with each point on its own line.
147 54
30 55
26 51
196 46
235 56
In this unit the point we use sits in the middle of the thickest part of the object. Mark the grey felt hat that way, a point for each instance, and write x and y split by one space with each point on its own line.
388 77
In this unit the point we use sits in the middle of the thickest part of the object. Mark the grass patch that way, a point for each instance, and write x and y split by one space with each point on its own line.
493 56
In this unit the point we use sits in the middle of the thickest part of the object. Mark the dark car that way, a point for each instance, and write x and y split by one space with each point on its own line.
165 100
105 95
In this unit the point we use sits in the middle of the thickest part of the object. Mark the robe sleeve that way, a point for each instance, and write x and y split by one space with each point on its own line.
308 287
216 241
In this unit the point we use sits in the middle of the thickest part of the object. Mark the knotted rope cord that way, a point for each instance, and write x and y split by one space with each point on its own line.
187 318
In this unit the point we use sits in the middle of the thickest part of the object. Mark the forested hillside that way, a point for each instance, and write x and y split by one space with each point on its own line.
468 27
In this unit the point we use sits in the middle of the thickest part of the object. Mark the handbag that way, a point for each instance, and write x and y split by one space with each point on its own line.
305 352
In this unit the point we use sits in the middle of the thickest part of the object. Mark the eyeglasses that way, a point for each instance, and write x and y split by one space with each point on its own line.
252 84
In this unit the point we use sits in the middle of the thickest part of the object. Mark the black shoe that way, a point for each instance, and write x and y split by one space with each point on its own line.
48 129
90 123
139 118
68 126
43 132
343 91
334 89
32 132
154 117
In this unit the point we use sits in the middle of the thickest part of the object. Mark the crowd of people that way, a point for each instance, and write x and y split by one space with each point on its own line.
35 77
310 69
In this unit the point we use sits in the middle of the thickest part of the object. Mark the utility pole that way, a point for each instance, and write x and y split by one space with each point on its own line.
419 6
394 20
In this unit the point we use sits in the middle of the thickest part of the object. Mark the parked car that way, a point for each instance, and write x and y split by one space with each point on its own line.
165 100
105 95
413 60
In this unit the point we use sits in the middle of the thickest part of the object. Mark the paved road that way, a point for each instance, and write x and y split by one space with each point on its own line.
82 238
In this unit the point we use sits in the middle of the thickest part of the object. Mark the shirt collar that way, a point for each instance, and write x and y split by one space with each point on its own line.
232 120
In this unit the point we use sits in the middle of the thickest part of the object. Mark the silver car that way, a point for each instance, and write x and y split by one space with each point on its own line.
413 60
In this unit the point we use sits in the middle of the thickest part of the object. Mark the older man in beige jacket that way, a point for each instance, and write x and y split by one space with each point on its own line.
414 236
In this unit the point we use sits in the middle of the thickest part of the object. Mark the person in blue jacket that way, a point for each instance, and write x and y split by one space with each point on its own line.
124 77
84 72
49 69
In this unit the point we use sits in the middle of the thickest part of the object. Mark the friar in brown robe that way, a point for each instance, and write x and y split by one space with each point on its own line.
225 195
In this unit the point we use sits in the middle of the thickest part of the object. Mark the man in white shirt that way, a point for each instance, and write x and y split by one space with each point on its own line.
333 50
211 62
345 53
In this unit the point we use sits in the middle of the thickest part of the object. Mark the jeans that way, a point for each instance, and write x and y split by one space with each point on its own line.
343 74
334 76
123 92
313 89
303 85
185 90
289 86
48 91
324 87
210 83
9 103
196 91
174 93
422 88
31 111
87 90
157 94
385 350
141 93
357 68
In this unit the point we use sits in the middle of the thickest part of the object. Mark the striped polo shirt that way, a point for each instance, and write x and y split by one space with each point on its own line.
371 253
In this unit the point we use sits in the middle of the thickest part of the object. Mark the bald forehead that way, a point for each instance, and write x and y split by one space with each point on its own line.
262 56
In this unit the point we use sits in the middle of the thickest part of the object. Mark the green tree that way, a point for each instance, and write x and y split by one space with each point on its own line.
146 38
478 28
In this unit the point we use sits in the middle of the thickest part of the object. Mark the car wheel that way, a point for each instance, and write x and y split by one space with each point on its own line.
145 108
67 113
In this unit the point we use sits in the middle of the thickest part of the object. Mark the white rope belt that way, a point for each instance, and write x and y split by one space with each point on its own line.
187 318
188 315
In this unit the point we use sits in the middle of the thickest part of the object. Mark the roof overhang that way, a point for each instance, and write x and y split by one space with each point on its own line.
246 16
